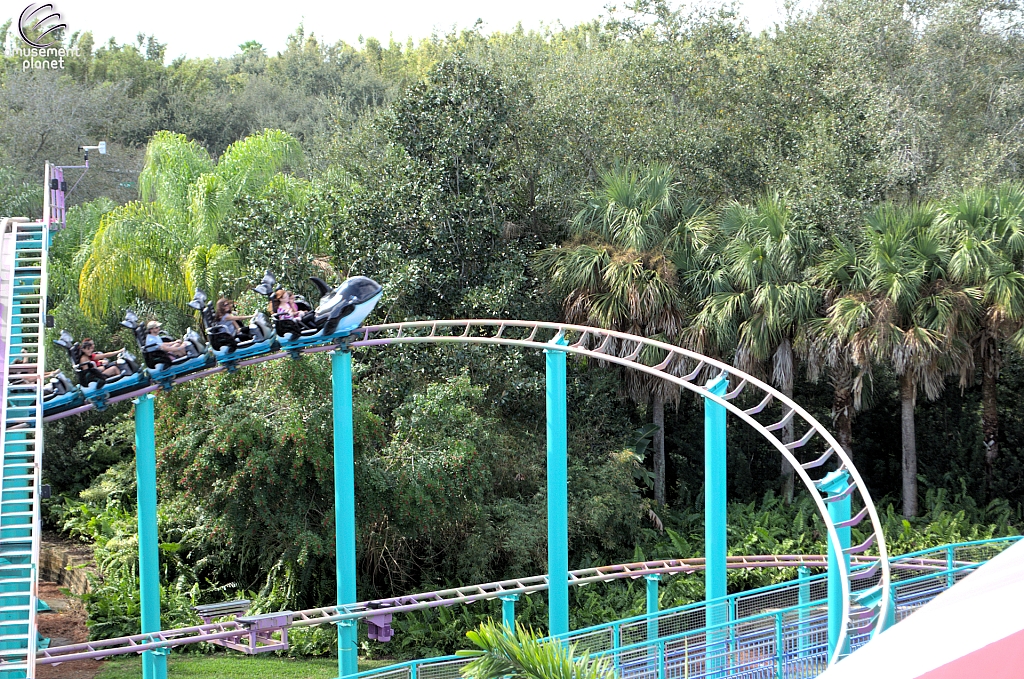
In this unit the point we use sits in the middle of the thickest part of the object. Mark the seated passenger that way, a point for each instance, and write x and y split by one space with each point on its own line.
282 305
23 372
89 355
226 318
154 341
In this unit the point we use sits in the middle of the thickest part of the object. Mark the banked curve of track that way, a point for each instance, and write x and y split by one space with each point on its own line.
666 361
137 643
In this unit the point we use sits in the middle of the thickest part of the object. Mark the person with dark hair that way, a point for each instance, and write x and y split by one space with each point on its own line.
90 355
224 315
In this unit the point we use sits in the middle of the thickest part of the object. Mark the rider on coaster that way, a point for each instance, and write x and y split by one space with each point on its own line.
22 372
227 319
153 339
89 355
283 306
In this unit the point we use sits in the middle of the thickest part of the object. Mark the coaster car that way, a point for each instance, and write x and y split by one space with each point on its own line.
339 312
229 343
163 367
97 387
60 395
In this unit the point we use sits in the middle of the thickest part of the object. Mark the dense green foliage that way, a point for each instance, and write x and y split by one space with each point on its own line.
524 655
837 197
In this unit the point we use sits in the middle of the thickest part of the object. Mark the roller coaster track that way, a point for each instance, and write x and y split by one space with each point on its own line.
678 366
461 596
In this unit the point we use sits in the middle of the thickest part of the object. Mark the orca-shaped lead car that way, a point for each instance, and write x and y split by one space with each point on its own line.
339 312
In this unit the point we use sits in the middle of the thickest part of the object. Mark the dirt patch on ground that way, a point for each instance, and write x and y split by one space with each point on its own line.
64 624
65 562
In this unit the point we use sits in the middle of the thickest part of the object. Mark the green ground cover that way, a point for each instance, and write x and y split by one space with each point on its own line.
223 666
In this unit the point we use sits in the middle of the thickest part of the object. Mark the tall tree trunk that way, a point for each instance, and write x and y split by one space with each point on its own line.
842 406
783 375
990 408
788 473
908 398
659 446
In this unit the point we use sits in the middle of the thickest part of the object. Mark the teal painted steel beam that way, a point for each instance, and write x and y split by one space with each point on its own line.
715 495
804 600
715 541
835 483
344 507
558 501
890 613
154 663
652 605
508 611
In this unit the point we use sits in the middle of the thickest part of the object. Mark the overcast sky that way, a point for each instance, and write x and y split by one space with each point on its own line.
216 27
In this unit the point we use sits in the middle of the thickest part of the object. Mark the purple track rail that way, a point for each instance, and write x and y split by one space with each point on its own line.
236 632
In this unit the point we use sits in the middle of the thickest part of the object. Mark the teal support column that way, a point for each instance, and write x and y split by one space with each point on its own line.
652 605
804 601
508 611
154 663
344 506
834 485
715 541
558 501
890 615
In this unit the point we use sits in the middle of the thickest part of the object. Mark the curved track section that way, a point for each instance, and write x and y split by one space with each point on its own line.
758 404
684 368
466 595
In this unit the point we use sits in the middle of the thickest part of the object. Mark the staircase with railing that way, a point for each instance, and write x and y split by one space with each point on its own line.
23 250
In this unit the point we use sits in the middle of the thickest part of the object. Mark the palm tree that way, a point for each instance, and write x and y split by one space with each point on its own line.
840 270
167 243
634 241
524 655
905 311
986 232
761 302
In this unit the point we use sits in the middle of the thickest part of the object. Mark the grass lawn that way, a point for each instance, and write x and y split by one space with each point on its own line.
235 666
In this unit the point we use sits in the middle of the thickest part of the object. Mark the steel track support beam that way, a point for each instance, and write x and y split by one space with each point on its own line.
804 600
652 605
836 484
344 507
508 611
154 663
715 540
558 501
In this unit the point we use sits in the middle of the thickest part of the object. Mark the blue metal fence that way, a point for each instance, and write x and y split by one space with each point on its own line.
774 632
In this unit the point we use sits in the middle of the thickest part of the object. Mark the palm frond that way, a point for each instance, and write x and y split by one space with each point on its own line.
132 254
172 164
524 655
249 164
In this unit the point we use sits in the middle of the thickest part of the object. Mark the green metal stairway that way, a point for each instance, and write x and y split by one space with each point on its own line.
23 250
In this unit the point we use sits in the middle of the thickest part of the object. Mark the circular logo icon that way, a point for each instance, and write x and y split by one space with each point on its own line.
37 24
